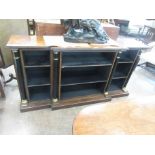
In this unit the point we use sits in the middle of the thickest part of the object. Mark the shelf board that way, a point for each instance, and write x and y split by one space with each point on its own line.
36 66
83 62
36 81
74 80
127 62
39 85
80 92
123 77
91 65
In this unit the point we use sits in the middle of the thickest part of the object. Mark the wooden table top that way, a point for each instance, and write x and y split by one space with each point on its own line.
21 41
115 118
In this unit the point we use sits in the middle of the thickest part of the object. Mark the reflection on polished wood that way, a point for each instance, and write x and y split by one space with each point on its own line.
26 41
58 41
116 118
54 41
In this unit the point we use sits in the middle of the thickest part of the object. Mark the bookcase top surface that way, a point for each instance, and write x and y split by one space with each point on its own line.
26 41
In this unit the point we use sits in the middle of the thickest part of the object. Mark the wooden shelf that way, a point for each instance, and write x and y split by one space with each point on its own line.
37 66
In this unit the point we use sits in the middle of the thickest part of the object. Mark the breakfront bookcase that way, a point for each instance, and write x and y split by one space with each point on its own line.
53 73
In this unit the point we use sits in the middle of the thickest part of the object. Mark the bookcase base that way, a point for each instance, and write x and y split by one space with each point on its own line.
77 101
117 93
35 105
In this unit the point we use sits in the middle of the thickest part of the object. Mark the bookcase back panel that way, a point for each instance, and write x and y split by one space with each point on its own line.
122 70
116 84
82 90
36 57
128 56
70 59
38 76
85 75
40 93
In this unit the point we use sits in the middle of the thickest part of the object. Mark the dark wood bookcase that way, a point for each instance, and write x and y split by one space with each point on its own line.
60 77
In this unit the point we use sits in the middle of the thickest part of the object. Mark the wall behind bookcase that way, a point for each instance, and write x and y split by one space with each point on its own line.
9 27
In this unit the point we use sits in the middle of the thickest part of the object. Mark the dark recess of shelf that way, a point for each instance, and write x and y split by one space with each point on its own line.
38 76
36 58
80 90
86 59
122 70
84 75
114 87
127 56
116 84
118 74
39 93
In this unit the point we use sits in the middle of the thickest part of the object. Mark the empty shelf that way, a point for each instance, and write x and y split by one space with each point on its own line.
114 87
39 93
127 56
116 84
38 76
73 80
86 59
36 57
73 76
36 81
81 90
118 74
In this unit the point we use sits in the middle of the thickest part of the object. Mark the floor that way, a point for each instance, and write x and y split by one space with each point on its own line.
59 122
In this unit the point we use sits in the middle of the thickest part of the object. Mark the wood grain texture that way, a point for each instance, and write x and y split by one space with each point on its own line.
116 118
49 29
22 41
26 41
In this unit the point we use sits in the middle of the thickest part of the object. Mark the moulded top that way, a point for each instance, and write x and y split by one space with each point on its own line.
26 41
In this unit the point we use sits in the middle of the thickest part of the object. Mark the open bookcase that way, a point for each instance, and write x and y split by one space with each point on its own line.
36 68
83 74
123 67
69 77
64 78
54 73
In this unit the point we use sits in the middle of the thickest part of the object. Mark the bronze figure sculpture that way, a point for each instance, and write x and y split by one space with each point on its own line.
85 31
